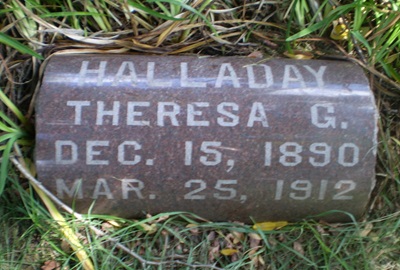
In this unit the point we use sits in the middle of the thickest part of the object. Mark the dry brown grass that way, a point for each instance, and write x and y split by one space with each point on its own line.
206 28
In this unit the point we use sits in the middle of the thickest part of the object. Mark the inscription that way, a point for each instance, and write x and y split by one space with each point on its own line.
226 138
227 75
290 154
221 189
168 114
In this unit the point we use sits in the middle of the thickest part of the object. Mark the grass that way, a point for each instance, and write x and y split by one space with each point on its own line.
363 31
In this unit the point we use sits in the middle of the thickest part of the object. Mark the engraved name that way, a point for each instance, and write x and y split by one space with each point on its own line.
253 76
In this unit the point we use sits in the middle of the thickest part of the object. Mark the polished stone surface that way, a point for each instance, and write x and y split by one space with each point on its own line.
228 138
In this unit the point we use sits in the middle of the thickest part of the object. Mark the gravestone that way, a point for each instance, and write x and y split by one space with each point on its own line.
228 138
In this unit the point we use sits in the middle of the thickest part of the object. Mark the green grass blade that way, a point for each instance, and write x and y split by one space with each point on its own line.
13 108
5 128
98 17
307 31
391 71
69 13
357 35
5 161
18 46
8 136
152 12
164 9
336 13
6 119
189 8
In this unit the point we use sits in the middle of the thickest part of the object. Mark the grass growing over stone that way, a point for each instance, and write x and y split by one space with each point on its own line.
365 32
